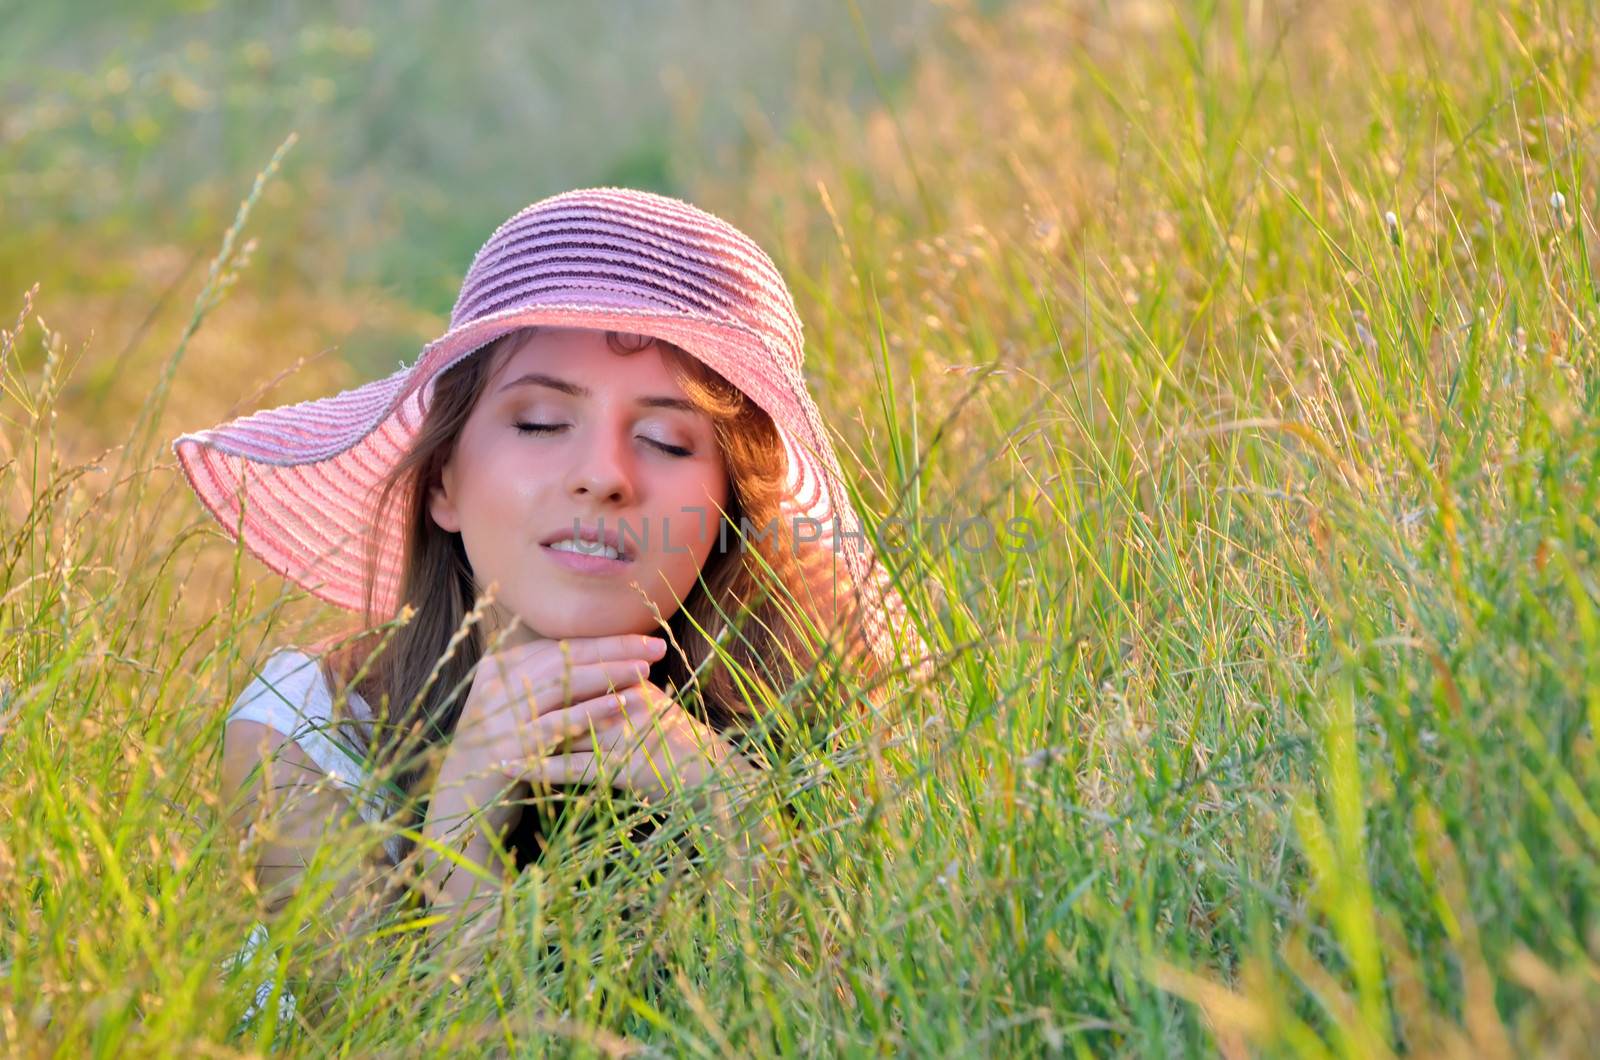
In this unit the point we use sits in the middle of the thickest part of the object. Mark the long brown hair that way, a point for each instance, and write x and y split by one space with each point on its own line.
756 598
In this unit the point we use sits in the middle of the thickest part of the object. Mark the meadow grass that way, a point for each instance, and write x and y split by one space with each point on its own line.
1275 321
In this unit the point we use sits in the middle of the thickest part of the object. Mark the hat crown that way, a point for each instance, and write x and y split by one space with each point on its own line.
620 247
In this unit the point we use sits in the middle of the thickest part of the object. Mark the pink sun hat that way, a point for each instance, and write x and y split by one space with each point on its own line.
300 481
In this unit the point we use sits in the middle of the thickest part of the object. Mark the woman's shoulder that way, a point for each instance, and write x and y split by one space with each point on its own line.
290 693
291 685
287 683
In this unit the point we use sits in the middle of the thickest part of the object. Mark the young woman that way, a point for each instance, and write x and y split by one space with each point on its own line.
592 525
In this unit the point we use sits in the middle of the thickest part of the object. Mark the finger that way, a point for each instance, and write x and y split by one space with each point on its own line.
643 710
649 712
560 732
598 737
517 666
587 682
579 720
582 650
577 767
530 696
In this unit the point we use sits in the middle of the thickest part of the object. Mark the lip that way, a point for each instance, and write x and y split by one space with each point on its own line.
590 534
577 561
582 564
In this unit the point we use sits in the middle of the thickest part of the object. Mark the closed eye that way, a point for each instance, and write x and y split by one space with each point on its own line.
549 428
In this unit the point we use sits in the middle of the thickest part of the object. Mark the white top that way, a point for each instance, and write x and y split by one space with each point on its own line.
291 696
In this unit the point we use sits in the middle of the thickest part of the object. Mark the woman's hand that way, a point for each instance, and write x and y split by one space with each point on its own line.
649 748
654 747
525 701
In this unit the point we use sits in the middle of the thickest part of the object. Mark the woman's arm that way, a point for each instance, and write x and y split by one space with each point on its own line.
290 805
469 813
284 804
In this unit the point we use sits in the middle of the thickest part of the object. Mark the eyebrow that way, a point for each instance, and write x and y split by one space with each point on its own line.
540 379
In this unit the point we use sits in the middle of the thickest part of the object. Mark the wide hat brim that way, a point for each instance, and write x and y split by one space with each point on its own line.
298 484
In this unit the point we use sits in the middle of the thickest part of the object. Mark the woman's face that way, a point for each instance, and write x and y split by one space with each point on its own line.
618 449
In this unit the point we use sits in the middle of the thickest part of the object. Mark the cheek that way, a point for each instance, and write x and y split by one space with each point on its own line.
702 495
493 491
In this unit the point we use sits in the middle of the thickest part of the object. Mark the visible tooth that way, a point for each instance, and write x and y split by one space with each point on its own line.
587 548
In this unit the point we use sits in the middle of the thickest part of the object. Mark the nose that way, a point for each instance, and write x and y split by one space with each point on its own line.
603 469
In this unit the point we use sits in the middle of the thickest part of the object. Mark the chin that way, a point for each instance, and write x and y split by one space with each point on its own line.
565 625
